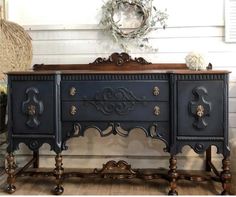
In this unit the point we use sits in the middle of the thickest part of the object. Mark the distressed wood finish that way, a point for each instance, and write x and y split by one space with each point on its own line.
115 95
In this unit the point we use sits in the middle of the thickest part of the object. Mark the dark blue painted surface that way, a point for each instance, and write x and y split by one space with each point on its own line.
115 106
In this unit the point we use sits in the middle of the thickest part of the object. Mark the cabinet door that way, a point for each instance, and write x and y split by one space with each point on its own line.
200 108
33 107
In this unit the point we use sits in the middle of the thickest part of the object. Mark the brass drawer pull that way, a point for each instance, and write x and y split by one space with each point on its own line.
157 110
200 111
31 110
156 91
73 110
72 91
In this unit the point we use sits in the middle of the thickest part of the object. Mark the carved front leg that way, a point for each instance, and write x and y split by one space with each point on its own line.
58 171
173 175
10 170
226 176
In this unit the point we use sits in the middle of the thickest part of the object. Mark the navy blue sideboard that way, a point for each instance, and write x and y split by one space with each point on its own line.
167 101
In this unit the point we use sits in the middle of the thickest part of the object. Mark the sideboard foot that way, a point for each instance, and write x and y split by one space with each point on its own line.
58 190
226 176
173 193
10 189
173 175
58 171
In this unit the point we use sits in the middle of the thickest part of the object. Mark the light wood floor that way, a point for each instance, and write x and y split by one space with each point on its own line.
77 186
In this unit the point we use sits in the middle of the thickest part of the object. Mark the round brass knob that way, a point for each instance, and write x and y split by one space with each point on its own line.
156 91
157 110
72 91
73 110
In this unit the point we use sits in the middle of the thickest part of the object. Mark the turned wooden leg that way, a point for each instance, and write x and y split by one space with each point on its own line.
173 175
225 176
36 157
10 170
58 171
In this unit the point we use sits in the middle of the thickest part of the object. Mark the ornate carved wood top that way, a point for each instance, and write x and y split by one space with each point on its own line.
119 59
115 62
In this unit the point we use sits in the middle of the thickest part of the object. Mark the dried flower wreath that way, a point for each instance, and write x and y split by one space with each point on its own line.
149 15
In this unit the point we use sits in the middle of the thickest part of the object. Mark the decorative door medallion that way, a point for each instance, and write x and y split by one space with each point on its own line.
200 108
32 107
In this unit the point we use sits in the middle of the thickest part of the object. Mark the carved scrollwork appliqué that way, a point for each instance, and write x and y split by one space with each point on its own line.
200 108
112 128
116 128
118 170
119 59
104 101
32 107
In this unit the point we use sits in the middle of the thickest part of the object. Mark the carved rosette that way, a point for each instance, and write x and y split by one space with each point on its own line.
32 107
200 108
119 59
199 148
34 144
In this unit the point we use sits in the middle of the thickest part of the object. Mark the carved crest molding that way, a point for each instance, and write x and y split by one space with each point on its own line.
119 59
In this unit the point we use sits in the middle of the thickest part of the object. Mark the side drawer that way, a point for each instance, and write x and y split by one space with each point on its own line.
115 111
115 90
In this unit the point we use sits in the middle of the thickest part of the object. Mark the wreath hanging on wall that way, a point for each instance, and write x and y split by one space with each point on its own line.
144 17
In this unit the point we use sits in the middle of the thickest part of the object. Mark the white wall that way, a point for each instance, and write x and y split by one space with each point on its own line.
182 12
67 32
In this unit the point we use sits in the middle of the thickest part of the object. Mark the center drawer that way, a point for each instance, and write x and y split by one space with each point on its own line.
115 90
115 111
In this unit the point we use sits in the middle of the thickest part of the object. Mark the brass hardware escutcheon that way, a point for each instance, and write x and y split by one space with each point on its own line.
200 111
73 110
31 109
157 110
72 91
156 91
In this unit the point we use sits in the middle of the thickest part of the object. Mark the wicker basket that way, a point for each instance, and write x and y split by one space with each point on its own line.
15 47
